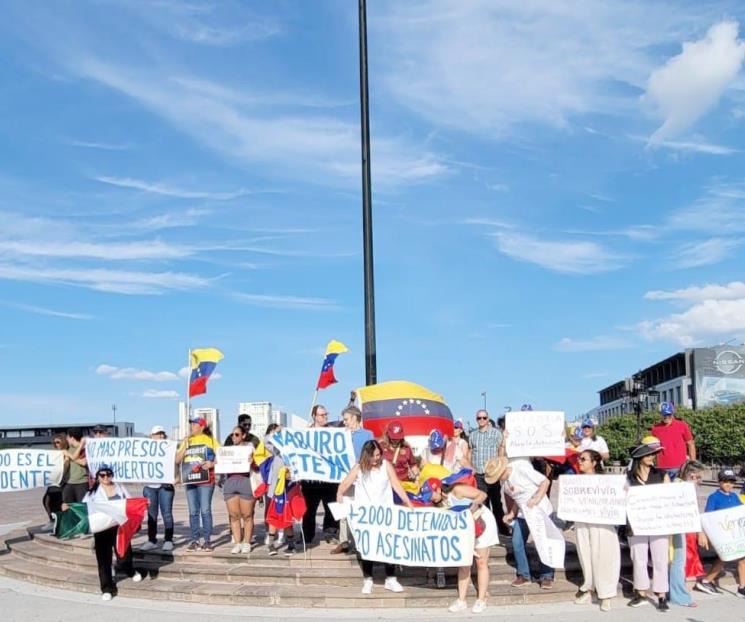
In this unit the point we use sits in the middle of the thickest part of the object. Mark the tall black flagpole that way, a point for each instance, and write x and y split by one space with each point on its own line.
371 373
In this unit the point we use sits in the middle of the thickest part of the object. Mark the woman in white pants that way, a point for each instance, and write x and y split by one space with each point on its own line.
597 547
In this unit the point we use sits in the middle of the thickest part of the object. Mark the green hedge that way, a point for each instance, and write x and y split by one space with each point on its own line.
719 433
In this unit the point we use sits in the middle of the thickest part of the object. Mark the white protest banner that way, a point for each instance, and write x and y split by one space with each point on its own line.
141 460
534 433
234 459
663 509
23 469
321 454
420 537
726 532
547 537
596 499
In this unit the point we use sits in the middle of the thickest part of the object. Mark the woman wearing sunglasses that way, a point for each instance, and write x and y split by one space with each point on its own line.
104 542
239 497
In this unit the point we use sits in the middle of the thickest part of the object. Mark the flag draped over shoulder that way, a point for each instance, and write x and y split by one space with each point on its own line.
96 516
203 363
333 349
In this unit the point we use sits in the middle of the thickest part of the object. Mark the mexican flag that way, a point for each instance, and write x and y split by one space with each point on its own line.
96 516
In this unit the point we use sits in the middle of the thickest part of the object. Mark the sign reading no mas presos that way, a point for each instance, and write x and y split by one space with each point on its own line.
663 509
142 460
23 469
321 454
596 499
726 532
534 433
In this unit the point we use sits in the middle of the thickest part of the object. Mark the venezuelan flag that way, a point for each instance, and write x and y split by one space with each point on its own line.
418 409
333 349
203 363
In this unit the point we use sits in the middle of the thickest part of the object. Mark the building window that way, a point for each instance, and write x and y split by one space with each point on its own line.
678 391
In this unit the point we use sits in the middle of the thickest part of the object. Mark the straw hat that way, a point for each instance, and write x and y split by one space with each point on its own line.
493 469
650 445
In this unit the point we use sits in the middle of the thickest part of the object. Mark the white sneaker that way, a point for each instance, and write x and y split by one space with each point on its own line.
605 604
392 585
583 598
106 597
367 586
136 577
458 606
168 545
246 548
236 549
149 546
479 606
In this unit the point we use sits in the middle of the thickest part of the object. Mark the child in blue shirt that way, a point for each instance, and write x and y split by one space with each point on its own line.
722 499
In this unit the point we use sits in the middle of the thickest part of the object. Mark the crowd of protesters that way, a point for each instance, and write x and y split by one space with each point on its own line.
502 490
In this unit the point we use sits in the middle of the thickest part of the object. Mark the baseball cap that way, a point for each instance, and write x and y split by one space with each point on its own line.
727 475
436 440
157 429
395 431
200 420
588 423
667 409
458 424
99 428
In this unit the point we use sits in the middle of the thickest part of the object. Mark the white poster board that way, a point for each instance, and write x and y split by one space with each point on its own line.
24 469
596 499
663 509
547 537
135 460
234 458
726 532
320 454
535 433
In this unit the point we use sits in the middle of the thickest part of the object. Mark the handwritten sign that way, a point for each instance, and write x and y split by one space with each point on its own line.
548 539
133 459
596 499
24 469
321 454
534 433
663 509
234 459
421 537
726 532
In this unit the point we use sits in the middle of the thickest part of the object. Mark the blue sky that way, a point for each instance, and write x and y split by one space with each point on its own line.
558 195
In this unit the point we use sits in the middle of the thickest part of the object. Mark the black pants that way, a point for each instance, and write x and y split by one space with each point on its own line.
316 493
52 500
494 500
74 493
104 543
367 569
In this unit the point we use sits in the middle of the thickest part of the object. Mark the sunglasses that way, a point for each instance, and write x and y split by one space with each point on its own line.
238 434
106 474
481 418
322 414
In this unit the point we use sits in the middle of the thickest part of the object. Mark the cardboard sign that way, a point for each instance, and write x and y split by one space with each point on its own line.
663 509
142 460
24 469
234 459
726 532
534 433
430 537
594 499
320 454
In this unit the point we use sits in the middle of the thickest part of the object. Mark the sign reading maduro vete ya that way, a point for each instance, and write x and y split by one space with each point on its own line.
322 454
534 433
726 532
663 509
23 469
597 499
133 459
418 537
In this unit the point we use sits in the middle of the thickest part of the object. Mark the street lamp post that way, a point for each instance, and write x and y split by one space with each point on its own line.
483 394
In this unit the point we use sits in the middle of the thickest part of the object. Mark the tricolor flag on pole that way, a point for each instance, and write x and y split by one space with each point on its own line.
203 362
333 349
97 516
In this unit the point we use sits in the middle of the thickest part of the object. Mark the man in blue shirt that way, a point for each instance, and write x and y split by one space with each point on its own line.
485 442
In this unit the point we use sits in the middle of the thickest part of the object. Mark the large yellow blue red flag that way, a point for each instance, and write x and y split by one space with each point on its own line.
203 363
333 349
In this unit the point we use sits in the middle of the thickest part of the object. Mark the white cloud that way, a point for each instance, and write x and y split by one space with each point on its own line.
156 393
560 256
45 311
146 249
692 82
693 146
720 211
594 344
287 302
133 373
168 190
731 291
705 253
97 145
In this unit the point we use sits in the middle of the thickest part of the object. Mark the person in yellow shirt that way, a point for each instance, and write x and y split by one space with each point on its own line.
196 455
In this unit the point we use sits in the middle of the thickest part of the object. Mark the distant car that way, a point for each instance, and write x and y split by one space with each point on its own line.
728 397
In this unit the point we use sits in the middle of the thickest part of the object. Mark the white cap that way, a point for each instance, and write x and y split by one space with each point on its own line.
157 429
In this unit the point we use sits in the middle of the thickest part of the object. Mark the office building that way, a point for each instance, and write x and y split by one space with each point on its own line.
40 435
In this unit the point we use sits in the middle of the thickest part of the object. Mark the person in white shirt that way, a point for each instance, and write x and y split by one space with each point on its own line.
591 441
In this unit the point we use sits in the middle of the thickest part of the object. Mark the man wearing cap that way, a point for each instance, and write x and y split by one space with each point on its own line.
398 452
485 442
100 431
676 438
591 441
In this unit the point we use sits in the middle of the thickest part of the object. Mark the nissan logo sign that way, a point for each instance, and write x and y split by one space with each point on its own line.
729 362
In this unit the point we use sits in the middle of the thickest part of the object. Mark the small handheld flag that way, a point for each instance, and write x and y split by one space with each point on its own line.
333 349
203 363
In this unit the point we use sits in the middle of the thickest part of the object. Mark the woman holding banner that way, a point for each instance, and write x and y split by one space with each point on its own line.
374 481
642 473
598 548
239 497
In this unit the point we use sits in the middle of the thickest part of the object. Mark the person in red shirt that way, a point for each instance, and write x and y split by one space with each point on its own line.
676 438
398 452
